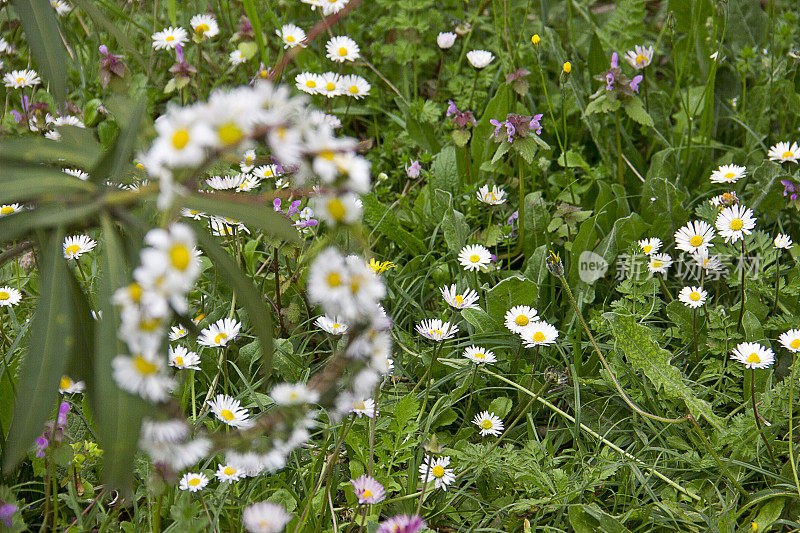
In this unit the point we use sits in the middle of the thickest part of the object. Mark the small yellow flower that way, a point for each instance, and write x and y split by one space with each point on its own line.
379 267
536 39
567 67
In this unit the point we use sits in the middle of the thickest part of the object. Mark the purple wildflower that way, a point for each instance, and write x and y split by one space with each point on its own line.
110 65
402 524
635 83
41 445
63 409
535 125
413 170
7 513
609 81
306 223
276 205
790 189
614 60
451 108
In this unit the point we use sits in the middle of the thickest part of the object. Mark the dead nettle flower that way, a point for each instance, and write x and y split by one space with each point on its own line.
245 30
790 189
110 65
461 119
516 127
182 72
616 82
413 170
518 82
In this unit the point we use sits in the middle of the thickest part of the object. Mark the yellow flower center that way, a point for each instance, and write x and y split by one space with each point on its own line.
6 210
179 360
694 296
458 299
436 333
229 471
201 29
20 80
479 355
486 423
337 209
729 175
787 155
474 258
359 405
194 481
199 317
737 224
437 470
355 284
263 74
179 257
311 84
640 59
180 138
334 279
657 264
135 292
695 241
226 414
753 358
647 249
354 89
290 38
330 86
4 295
65 383
230 133
327 154
367 493
538 336
220 337
169 38
143 366
342 51
795 344
522 320
73 248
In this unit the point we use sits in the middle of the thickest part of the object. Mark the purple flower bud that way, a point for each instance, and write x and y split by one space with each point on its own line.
609 82
414 169
635 83
63 409
451 108
276 204
41 445
535 125
103 49
179 53
294 208
614 60
7 513
17 116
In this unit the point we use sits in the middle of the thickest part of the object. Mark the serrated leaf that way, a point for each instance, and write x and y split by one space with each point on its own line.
481 320
461 137
502 150
635 341
246 293
45 359
251 214
43 36
635 109
526 147
445 171
601 104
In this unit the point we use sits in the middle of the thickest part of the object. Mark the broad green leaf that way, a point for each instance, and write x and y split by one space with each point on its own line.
515 290
118 414
253 214
246 293
482 321
454 225
573 160
45 359
129 115
526 147
18 225
384 221
43 36
764 187
635 109
445 171
498 107
662 207
635 341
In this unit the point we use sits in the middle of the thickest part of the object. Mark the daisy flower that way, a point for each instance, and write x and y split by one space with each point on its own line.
205 26
336 210
354 86
220 332
248 161
474 257
728 174
341 49
265 172
479 58
457 300
782 152
488 423
479 355
782 242
495 196
368 490
67 386
169 38
520 316
180 357
435 469
228 473
77 245
265 517
182 138
19 79
734 222
331 325
650 246
9 209
308 82
291 36
329 85
659 263
236 58
639 57
171 257
293 394
791 340
364 408
693 297
9 296
709 263
436 330
446 40
402 524
753 355
61 7
193 482
693 236
76 173
177 332
538 334
230 411
142 375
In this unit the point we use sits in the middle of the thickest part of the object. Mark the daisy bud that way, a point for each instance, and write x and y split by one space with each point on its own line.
567 68
554 264
536 40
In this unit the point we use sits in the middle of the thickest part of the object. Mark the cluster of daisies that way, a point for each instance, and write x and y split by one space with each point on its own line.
340 49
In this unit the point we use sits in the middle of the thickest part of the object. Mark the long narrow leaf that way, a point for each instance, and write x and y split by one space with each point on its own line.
45 360
21 224
77 147
129 116
245 292
101 19
44 39
252 215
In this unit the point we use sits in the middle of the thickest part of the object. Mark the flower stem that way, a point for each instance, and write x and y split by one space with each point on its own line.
741 311
472 93
758 419
791 427
777 279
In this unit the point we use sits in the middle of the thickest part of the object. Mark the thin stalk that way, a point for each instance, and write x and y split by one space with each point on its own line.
791 427
469 399
741 310
620 168
777 279
521 220
472 93
758 419
424 484
717 459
